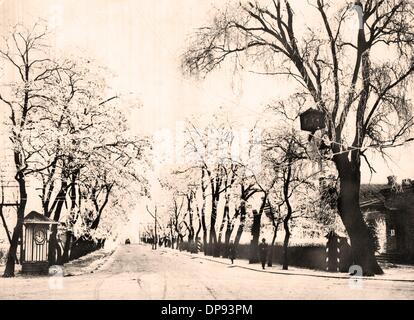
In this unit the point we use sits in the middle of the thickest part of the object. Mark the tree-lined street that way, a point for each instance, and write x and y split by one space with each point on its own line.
137 272
147 144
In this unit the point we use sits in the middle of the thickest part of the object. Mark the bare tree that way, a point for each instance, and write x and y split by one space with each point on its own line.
265 180
229 180
320 63
24 51
64 131
287 155
210 149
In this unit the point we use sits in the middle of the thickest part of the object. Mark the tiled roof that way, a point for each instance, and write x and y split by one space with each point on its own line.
372 194
36 217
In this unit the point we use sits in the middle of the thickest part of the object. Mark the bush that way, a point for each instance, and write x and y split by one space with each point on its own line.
186 246
307 256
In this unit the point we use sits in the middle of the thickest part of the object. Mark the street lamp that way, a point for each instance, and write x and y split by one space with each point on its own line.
312 120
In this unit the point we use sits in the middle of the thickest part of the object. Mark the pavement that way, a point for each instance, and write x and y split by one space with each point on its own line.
89 263
393 272
137 272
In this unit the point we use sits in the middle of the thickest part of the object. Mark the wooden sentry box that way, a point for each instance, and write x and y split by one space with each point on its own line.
35 248
338 253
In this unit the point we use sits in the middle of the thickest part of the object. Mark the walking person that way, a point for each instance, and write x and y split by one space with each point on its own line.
232 252
263 248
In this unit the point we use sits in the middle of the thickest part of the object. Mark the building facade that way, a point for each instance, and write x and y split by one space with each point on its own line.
389 212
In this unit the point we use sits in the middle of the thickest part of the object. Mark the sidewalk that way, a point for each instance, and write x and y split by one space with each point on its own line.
400 273
89 263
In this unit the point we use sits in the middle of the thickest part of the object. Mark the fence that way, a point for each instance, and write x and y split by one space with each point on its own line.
304 256
311 256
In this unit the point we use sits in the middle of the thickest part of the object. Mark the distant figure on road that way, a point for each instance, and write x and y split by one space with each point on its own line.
232 252
263 247
127 241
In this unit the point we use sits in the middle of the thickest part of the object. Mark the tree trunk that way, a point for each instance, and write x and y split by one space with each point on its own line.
224 220
362 244
272 245
50 186
286 244
67 247
242 222
197 234
229 231
190 224
286 196
203 211
72 220
18 229
257 216
204 225
212 241
180 240
100 209
172 238
54 250
6 229
227 236
212 236
349 170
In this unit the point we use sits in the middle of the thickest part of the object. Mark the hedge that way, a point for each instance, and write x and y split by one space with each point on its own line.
311 256
304 256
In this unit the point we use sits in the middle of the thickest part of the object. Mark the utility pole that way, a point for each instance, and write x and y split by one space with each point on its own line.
155 223
155 226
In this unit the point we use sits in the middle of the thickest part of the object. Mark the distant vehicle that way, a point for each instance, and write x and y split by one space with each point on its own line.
127 241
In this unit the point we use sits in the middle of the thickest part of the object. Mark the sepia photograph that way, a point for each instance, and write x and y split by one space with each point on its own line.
223 151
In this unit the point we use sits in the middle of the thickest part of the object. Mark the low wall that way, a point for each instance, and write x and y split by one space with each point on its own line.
312 257
81 248
304 256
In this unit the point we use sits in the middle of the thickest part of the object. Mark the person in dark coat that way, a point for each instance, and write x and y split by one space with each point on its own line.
232 252
263 248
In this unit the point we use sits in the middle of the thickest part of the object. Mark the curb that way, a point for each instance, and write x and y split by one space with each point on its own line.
109 259
97 265
343 277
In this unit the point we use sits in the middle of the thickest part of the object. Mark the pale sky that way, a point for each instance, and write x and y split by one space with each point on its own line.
141 42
